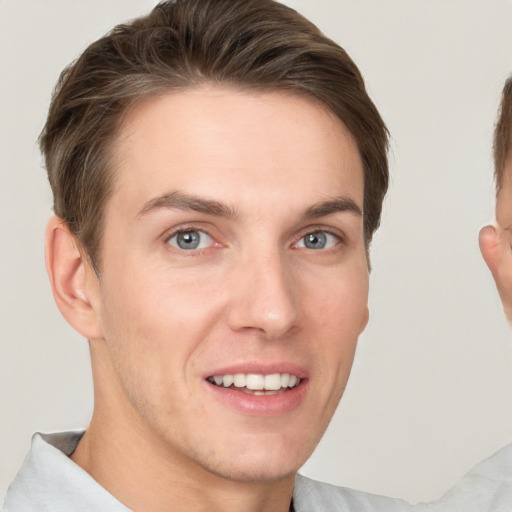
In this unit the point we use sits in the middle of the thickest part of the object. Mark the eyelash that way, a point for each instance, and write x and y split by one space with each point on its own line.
340 239
184 230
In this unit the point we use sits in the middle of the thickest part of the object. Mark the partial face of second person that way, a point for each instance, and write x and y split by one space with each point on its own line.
233 250
496 241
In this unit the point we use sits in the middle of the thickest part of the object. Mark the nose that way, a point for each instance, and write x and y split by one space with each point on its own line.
264 297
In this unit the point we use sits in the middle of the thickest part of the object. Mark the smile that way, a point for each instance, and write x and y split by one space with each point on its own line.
257 384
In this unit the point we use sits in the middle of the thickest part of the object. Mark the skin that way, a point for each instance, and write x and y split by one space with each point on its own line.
495 242
160 318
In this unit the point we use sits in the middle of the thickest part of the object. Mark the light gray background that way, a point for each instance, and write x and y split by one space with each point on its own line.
431 389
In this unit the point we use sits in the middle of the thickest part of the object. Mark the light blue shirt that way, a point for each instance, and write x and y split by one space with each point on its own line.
486 488
49 481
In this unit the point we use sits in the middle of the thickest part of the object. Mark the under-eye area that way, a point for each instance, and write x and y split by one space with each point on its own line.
257 384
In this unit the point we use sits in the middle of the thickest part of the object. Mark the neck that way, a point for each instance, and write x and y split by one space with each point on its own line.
126 458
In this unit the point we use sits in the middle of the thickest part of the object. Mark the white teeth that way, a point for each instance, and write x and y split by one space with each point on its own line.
239 380
256 382
273 382
227 380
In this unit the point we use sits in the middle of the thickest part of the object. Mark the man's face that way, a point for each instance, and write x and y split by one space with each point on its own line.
233 255
499 256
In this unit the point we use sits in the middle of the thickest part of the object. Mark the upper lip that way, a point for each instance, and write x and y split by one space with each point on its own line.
260 368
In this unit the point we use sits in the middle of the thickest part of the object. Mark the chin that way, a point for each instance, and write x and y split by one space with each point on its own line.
264 461
250 471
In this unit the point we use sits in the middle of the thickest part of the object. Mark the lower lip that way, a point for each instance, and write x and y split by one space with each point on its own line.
261 405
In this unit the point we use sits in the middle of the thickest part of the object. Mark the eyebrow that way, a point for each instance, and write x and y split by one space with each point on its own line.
182 201
332 206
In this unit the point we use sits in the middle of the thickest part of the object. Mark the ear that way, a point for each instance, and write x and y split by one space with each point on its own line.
496 250
74 283
364 321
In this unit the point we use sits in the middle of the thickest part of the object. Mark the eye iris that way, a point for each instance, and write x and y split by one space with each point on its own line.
315 240
188 240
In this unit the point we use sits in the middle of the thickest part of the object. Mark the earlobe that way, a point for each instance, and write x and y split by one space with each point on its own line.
488 240
73 282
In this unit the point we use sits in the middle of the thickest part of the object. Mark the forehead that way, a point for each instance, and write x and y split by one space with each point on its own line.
235 143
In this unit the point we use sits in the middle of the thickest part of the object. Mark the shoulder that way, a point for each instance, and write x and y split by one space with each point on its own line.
497 468
321 497
486 488
50 481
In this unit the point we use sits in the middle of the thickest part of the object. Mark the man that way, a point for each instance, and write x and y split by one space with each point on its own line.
494 476
218 172
495 241
488 486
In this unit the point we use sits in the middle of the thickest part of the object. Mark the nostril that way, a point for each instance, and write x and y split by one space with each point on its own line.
264 298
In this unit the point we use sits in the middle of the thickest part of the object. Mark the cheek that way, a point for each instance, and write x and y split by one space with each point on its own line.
152 331
341 298
338 313
155 313
504 206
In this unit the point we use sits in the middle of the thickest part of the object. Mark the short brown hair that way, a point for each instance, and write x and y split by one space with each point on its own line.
250 44
503 134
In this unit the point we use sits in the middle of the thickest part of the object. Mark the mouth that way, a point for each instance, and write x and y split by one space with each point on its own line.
256 384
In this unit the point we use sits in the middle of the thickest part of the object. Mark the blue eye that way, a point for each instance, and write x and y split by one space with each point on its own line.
190 240
318 240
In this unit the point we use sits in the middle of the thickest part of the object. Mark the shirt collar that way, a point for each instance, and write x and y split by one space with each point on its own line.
50 480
